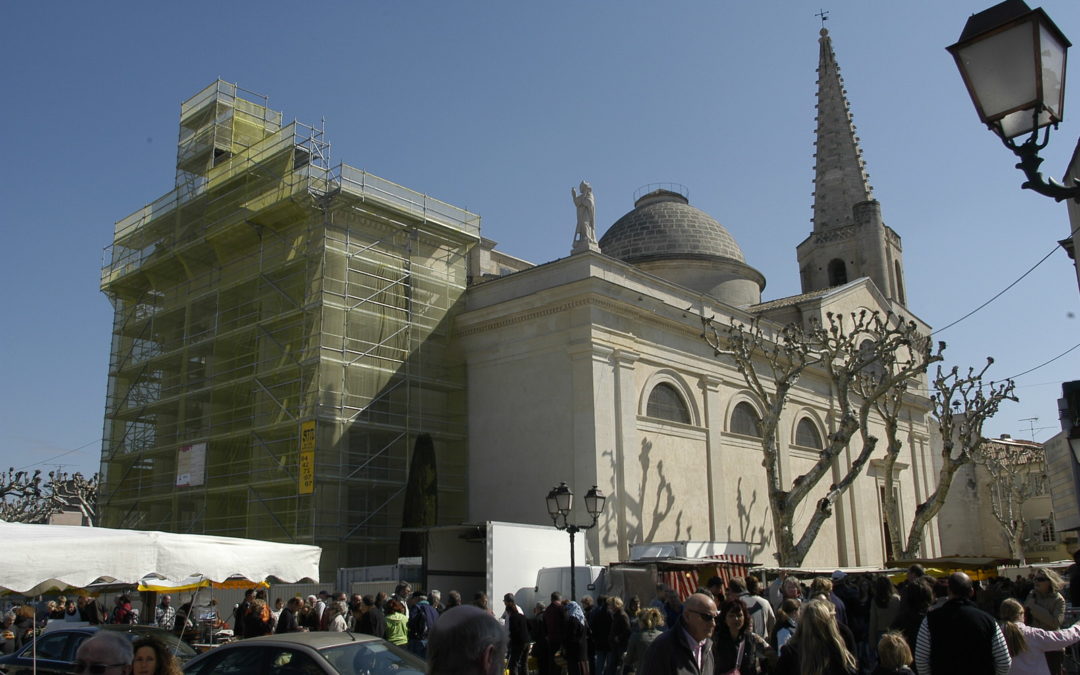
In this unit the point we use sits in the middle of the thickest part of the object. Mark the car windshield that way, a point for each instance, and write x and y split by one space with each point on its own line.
372 658
174 644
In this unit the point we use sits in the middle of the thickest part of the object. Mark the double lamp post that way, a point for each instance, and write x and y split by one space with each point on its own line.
560 501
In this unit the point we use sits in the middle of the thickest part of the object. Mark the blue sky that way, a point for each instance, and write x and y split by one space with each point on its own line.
500 107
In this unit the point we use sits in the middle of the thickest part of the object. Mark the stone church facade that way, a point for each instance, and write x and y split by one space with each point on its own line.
591 369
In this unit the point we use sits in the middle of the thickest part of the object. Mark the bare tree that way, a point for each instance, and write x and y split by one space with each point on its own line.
844 351
1017 473
961 405
28 498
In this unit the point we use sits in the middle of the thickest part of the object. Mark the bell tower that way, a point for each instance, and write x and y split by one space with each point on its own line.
849 240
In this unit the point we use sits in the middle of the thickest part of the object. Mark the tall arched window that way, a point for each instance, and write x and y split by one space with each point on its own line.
745 420
665 403
806 434
837 272
899 282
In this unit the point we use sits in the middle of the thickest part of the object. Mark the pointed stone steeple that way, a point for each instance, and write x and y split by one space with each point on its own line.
849 239
840 179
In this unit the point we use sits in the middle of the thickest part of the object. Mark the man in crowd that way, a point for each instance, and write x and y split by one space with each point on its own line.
241 611
554 620
685 649
961 638
422 617
466 641
165 613
287 622
373 621
105 653
517 628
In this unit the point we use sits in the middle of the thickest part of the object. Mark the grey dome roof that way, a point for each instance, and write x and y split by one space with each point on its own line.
663 225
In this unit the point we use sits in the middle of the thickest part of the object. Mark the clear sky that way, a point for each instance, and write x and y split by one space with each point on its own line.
501 107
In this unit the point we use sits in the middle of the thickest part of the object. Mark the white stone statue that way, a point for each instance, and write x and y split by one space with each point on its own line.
585 234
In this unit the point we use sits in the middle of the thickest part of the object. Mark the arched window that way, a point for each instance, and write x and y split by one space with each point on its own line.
837 272
665 403
899 282
745 420
806 434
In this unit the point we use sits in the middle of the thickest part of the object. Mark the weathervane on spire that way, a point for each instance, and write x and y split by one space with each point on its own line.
823 14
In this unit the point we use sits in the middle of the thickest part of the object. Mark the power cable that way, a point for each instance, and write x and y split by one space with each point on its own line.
1004 290
62 454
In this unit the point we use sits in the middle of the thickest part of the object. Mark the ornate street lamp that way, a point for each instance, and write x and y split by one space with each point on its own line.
560 500
1012 59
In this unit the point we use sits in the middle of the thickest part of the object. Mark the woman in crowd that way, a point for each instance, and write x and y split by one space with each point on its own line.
1028 646
649 622
1046 607
575 645
735 646
153 658
913 607
397 629
817 647
894 656
71 612
786 620
24 625
883 610
618 636
258 620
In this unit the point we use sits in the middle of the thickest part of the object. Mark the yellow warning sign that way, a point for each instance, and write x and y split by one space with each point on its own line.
306 476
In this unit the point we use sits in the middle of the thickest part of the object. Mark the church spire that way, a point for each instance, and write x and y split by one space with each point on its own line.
840 180
849 240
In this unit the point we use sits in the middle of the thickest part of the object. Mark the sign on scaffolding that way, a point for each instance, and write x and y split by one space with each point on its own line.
191 465
307 458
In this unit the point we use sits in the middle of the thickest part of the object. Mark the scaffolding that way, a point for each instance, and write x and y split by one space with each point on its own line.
265 292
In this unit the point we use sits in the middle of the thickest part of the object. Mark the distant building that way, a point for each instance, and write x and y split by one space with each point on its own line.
970 523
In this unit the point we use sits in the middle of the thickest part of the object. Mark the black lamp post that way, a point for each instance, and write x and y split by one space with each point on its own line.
1012 59
559 502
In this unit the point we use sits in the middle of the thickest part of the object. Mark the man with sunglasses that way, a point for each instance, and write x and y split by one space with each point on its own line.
685 649
106 653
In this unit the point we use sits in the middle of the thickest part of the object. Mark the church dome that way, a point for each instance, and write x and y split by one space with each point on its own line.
663 225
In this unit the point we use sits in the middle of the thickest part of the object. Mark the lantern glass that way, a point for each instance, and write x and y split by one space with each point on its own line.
594 502
564 498
1012 60
552 503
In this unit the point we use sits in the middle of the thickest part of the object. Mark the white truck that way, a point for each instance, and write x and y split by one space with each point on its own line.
496 558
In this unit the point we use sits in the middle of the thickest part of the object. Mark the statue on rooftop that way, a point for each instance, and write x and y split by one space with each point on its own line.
585 234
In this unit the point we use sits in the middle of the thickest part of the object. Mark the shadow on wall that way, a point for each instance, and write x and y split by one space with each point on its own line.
757 537
658 502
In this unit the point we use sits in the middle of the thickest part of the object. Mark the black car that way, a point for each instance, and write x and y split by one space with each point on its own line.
318 653
56 647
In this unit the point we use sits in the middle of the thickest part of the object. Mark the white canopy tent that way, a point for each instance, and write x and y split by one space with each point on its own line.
39 557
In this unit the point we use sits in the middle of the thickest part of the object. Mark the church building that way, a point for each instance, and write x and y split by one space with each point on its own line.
591 369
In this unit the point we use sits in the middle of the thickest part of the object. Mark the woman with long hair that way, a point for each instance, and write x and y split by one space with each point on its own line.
619 636
152 657
649 621
736 648
914 604
817 647
258 620
1046 607
1029 645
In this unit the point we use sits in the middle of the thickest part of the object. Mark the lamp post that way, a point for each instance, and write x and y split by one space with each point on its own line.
1012 59
560 500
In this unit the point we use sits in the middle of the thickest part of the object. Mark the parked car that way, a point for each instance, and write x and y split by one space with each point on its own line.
56 647
317 653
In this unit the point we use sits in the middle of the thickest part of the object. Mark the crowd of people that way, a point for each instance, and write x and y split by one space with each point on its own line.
838 625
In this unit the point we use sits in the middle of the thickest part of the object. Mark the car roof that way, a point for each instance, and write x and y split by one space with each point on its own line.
314 640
